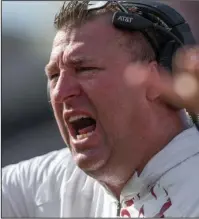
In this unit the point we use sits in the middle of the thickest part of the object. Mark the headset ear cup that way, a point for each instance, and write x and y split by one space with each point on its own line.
166 55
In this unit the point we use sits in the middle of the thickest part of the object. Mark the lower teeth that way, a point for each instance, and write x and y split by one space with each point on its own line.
82 136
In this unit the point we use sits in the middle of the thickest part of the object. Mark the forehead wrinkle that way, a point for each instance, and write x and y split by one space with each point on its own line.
76 43
61 41
74 54
60 38
56 52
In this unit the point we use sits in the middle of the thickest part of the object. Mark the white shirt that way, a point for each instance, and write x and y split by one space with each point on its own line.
53 186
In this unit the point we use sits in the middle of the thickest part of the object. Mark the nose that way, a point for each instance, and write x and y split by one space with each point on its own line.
66 89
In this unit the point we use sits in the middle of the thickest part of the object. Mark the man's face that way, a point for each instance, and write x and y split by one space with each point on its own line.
98 110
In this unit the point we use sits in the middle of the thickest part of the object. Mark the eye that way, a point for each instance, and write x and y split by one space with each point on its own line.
85 69
53 76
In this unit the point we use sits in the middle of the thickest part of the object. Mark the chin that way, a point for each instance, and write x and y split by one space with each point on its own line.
88 164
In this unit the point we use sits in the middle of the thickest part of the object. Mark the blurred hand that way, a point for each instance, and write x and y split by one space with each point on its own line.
181 90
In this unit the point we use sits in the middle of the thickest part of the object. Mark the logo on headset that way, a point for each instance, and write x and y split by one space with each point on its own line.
125 19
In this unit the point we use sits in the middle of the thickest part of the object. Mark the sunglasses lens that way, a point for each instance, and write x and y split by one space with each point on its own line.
92 5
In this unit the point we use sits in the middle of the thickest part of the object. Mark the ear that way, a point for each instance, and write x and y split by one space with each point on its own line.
153 92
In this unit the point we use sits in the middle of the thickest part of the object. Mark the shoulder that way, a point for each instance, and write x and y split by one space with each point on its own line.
182 184
50 170
35 187
37 168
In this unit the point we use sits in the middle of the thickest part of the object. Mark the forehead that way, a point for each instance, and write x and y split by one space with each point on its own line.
94 38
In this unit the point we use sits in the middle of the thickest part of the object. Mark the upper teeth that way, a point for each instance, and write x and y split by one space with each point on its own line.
74 118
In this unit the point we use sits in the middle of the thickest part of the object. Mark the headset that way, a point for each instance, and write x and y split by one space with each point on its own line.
170 28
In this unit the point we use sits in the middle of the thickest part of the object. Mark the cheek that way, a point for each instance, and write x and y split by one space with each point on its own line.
116 99
108 93
58 110
102 91
135 77
58 113
110 99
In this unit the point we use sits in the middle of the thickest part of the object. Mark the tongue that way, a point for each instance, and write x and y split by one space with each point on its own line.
86 130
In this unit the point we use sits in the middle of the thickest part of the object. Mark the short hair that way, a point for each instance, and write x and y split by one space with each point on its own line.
75 13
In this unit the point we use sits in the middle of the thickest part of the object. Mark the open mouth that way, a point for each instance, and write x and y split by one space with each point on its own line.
83 126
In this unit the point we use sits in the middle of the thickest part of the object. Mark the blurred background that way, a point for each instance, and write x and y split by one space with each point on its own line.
28 126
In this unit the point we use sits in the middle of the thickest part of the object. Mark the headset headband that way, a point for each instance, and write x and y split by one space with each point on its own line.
150 14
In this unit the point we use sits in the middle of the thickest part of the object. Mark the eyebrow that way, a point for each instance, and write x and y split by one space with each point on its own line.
51 68
77 61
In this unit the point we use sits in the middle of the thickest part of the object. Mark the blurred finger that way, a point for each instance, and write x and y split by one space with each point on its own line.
168 94
186 86
187 60
180 91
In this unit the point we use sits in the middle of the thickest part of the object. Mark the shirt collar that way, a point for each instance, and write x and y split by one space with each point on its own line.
182 147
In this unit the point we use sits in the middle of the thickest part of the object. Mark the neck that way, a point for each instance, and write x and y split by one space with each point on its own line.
113 179
116 174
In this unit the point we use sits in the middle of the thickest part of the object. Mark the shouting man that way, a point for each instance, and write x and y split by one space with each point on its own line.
132 149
